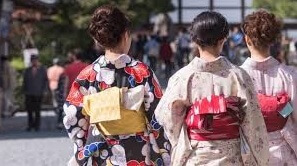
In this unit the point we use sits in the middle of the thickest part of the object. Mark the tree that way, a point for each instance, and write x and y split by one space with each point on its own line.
282 8
68 26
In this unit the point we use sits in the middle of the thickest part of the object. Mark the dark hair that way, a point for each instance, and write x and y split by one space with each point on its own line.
208 28
107 25
262 27
77 53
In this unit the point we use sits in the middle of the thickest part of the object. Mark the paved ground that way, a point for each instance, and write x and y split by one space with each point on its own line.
48 147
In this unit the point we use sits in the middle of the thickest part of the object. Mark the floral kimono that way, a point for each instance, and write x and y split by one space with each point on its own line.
276 85
149 147
211 116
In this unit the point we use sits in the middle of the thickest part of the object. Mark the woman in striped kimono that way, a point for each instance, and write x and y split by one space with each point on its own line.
276 86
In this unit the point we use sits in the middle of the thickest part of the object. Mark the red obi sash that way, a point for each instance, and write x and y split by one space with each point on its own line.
270 107
217 118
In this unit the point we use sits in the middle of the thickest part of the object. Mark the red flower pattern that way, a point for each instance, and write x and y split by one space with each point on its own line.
75 97
135 163
157 89
87 74
80 155
112 141
138 71
103 85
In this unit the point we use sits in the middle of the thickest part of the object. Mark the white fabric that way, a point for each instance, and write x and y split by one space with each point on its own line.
202 79
272 78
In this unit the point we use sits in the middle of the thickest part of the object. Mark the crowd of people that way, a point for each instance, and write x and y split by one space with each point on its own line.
213 111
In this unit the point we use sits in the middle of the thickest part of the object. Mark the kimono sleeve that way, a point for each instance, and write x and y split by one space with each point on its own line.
253 126
158 139
171 110
293 94
75 122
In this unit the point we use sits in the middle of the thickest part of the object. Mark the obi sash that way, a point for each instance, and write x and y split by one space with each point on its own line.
117 111
270 108
217 118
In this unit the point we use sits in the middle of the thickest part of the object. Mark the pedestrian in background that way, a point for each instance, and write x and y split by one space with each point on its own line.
166 55
60 94
53 73
75 67
34 85
152 48
183 45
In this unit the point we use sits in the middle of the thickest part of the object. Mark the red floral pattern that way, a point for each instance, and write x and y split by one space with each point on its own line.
80 155
135 163
103 85
157 89
87 74
141 75
112 141
139 71
75 97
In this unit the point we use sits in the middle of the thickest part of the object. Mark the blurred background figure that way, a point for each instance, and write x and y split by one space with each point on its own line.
53 73
35 83
166 56
152 49
8 85
60 95
183 46
236 46
75 67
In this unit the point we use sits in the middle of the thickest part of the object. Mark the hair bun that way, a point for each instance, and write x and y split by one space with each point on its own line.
262 27
107 25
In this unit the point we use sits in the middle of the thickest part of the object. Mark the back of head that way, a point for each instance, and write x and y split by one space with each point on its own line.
107 25
76 54
262 27
208 28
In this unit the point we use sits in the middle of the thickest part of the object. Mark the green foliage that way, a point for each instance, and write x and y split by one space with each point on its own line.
282 8
18 63
69 25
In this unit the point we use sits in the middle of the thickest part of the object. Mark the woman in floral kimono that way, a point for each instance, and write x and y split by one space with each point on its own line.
209 110
110 108
276 85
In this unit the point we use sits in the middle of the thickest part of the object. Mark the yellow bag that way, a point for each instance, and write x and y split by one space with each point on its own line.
106 111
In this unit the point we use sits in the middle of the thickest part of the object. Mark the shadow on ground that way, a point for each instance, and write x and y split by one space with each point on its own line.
15 127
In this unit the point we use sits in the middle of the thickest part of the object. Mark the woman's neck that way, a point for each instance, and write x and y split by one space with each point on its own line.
112 55
259 55
209 55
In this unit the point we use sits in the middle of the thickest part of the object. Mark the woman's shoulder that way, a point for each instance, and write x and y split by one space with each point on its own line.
290 72
88 73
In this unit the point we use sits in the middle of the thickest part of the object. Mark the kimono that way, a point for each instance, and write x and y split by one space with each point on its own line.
200 82
150 147
276 85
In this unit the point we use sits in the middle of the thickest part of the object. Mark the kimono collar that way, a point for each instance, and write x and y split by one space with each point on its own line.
220 63
121 62
267 63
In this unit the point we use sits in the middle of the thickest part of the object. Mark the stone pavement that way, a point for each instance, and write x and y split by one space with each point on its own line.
48 147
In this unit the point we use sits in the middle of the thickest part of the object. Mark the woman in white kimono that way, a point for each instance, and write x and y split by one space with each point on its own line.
209 110
276 85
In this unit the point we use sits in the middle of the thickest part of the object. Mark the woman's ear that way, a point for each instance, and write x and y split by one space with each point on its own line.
127 36
248 41
222 41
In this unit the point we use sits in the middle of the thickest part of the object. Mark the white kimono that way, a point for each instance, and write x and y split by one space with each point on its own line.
202 79
272 78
